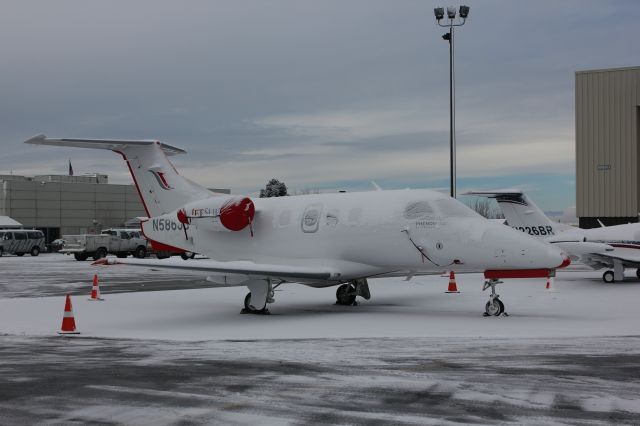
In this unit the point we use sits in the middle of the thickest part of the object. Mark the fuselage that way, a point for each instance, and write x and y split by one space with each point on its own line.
402 232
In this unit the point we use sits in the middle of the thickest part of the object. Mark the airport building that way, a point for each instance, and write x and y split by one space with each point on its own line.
60 204
64 205
607 146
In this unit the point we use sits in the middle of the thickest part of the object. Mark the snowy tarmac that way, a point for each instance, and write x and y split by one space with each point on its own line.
410 355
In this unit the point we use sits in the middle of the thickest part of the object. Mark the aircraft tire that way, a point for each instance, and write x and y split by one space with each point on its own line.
345 295
496 308
187 255
608 277
247 302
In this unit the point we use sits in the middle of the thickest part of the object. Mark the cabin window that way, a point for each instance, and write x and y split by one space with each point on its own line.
355 214
285 218
332 217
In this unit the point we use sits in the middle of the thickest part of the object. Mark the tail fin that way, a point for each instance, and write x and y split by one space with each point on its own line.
159 185
522 213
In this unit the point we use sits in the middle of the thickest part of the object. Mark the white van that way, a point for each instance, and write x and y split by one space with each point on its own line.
21 241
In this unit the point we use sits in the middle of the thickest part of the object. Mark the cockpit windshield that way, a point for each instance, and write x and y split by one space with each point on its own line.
448 207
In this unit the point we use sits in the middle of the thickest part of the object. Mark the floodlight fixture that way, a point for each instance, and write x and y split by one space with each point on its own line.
451 12
464 12
439 12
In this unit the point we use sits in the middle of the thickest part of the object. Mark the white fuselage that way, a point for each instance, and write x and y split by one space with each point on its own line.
403 232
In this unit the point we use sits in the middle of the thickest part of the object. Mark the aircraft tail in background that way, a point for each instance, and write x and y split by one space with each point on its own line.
521 213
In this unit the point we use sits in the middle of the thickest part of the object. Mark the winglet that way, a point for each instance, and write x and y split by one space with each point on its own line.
37 139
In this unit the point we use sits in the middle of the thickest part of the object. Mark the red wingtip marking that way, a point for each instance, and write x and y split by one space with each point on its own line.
566 262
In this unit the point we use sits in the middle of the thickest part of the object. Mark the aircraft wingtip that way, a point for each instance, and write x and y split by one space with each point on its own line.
37 139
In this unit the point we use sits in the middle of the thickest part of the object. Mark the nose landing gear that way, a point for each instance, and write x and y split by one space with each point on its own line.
494 306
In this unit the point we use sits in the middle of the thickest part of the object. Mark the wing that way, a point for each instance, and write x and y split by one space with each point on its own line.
236 269
629 259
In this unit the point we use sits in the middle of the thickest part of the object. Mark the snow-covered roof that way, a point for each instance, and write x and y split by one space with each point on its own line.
7 222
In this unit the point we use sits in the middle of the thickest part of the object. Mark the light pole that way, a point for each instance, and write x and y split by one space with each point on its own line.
451 15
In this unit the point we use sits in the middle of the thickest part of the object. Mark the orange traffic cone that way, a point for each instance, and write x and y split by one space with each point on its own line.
453 288
68 322
95 290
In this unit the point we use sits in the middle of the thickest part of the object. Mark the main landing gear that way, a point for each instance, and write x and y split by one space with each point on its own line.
346 293
494 306
262 292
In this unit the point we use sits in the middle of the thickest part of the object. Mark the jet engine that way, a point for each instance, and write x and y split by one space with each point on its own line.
224 213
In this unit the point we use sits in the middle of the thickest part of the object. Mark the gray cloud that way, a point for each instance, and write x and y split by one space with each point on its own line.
263 88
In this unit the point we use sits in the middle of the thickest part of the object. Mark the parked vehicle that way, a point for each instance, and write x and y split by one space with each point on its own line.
121 242
21 241
56 245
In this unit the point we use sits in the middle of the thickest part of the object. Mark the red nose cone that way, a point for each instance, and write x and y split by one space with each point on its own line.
237 214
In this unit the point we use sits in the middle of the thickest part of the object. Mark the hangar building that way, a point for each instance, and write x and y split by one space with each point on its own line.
60 204
64 205
607 146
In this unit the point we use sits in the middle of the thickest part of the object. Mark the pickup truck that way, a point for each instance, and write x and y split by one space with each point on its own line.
121 242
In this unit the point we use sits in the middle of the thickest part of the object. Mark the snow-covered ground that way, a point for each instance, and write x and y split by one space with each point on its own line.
411 355
580 304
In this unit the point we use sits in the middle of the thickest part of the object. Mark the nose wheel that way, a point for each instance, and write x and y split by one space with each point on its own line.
494 306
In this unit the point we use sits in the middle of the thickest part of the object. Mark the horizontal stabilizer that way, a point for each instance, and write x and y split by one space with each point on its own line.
110 144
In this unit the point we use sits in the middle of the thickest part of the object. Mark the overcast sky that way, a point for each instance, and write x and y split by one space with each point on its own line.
324 94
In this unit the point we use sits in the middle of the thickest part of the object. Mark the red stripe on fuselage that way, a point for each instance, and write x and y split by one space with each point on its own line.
516 273
135 182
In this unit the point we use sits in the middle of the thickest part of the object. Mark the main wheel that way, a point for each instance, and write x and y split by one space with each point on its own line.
608 277
187 255
247 303
35 251
140 252
345 295
100 253
496 308
80 256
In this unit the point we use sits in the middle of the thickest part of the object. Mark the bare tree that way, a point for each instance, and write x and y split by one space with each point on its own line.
483 207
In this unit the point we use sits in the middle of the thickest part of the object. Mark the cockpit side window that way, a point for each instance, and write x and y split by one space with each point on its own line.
418 210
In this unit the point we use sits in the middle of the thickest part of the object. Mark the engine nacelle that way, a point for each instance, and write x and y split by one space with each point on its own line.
223 213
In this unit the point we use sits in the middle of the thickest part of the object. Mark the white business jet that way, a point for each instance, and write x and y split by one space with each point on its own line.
612 247
319 240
